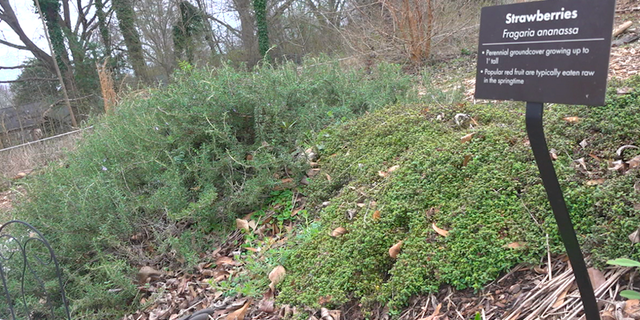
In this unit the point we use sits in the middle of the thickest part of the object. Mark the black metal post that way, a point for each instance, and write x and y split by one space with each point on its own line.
538 142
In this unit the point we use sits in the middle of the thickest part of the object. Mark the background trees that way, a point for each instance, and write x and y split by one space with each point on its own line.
145 40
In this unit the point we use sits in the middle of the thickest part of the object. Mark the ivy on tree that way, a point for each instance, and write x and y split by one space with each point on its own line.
189 27
260 8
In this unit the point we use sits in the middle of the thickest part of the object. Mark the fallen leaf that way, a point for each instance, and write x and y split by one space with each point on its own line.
20 175
617 165
376 215
395 250
338 232
634 162
267 302
635 236
219 275
441 232
571 119
242 224
326 314
276 275
351 213
632 308
584 143
393 168
515 245
595 182
295 211
239 314
560 299
286 183
328 177
147 272
596 277
249 157
253 224
385 173
466 160
581 163
435 313
222 261
360 204
336 314
626 146
468 137
324 299
606 315
312 172
311 154
624 90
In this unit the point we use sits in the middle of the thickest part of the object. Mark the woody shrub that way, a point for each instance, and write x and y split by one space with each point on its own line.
168 168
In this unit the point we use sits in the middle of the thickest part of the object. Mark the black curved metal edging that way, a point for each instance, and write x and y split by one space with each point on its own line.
23 257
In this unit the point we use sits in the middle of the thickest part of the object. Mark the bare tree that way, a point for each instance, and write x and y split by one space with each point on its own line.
68 35
155 20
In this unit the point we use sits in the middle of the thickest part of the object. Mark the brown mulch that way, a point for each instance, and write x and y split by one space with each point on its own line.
525 293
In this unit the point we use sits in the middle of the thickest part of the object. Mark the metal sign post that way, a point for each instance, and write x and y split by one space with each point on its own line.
554 193
549 51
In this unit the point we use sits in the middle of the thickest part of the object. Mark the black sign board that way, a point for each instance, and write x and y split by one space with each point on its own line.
548 51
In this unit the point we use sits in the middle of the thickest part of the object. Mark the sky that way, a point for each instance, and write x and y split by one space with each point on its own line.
32 26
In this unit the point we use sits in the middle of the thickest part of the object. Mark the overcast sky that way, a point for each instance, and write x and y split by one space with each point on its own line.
32 26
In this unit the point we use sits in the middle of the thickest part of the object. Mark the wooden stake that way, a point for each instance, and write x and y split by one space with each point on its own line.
621 28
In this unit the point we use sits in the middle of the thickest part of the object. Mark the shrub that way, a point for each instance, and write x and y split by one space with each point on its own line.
193 155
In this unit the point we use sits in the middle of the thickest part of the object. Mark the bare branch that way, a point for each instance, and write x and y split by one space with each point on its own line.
281 9
29 79
15 67
230 28
13 45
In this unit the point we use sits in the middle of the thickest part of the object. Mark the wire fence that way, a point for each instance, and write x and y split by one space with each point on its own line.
28 156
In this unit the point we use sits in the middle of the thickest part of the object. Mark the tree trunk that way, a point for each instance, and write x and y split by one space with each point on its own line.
209 36
247 34
50 9
260 8
102 26
126 17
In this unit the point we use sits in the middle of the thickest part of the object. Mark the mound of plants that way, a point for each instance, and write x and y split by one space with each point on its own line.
417 196
162 178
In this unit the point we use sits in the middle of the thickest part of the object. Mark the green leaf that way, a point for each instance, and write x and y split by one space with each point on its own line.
478 317
623 262
630 294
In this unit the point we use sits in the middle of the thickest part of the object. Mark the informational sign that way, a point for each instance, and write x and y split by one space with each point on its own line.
546 51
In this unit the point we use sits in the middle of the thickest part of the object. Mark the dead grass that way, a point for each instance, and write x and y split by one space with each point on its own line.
28 157
107 87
